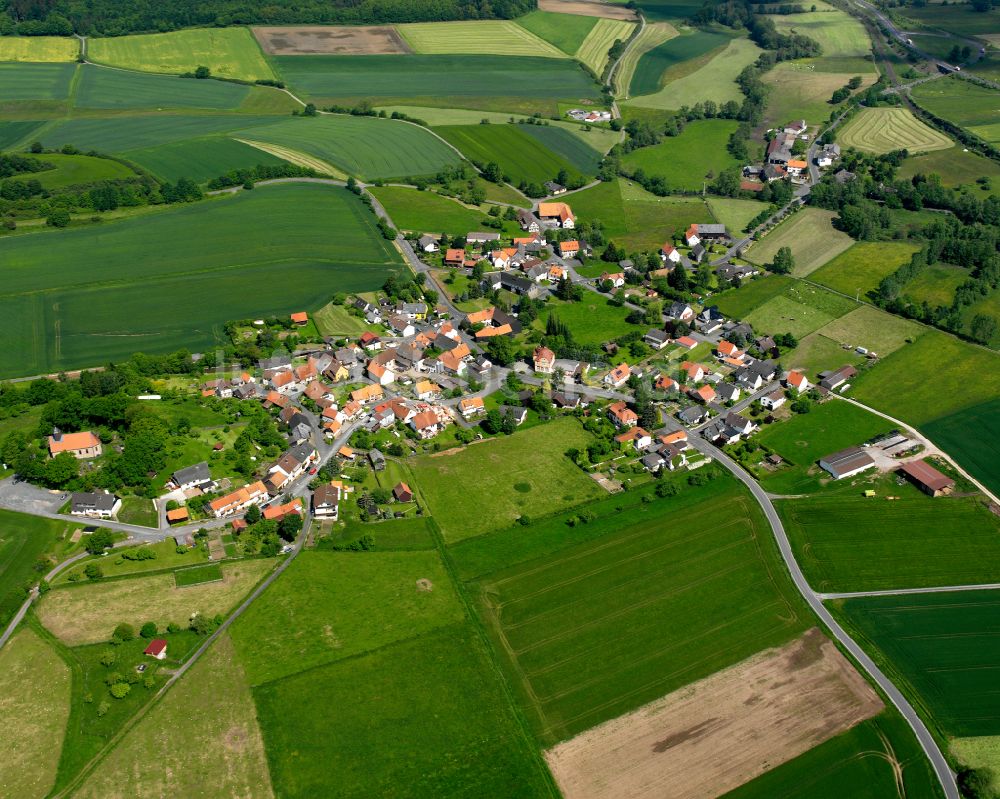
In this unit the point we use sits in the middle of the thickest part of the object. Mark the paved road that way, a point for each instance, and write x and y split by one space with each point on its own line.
906 591
927 742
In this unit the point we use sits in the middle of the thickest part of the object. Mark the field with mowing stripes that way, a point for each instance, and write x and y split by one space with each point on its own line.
946 648
199 159
38 49
661 599
575 149
849 542
476 37
565 31
521 157
811 236
35 81
505 83
367 147
715 81
672 54
228 52
594 50
213 256
881 130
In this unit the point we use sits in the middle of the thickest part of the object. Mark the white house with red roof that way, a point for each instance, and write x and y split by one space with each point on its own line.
798 381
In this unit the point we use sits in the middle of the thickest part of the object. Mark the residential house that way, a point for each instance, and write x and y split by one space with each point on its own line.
515 412
337 372
454 360
686 342
326 500
797 381
428 424
157 648
829 154
283 382
621 415
554 188
670 254
773 400
709 320
773 172
795 167
300 319
512 282
528 221
275 363
639 438
479 367
731 272
618 376
426 390
698 253
616 279
559 214
666 384
726 349
401 326
796 128
695 371
505 258
847 462
481 237
96 505
370 341
276 513
454 256
569 249
81 445
239 500
691 236
693 414
401 492
544 360
564 400
704 394
429 243
471 406
367 394
657 339
412 311
727 392
679 312
197 476
305 373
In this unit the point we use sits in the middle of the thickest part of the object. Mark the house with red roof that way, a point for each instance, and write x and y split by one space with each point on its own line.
705 394
157 649
797 381
618 376
622 415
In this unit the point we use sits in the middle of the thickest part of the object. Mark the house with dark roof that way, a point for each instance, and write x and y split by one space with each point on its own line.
197 476
847 462
96 505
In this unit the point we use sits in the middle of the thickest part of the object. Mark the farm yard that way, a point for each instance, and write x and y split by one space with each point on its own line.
752 716
64 320
854 543
943 645
811 237
882 130
227 52
650 570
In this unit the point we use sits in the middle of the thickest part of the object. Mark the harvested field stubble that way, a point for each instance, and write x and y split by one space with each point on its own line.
326 40
713 736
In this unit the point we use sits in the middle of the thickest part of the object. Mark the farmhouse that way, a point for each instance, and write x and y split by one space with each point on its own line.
927 478
95 505
569 249
479 237
836 378
847 462
157 649
670 254
528 221
559 213
79 445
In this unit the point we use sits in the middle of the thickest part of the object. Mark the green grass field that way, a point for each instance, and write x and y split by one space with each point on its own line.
71 170
936 284
330 606
838 33
802 90
602 627
963 376
686 161
987 306
35 81
861 268
634 218
979 752
800 310
212 705
858 763
651 37
740 302
971 437
592 320
14 130
954 166
648 74
487 486
583 154
210 260
199 159
427 212
848 542
882 130
334 319
735 214
367 147
811 237
476 37
594 50
958 18
715 81
875 330
521 156
24 540
165 556
944 647
38 49
514 84
119 135
565 31
965 103
434 709
108 89
228 52
209 573
805 438
35 685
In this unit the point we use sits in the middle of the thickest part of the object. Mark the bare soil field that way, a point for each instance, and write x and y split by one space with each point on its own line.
587 8
718 733
331 40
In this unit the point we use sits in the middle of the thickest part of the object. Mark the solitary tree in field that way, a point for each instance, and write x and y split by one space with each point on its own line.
784 261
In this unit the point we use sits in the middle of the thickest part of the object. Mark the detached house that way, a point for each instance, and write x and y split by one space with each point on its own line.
95 505
616 279
569 249
621 415
197 476
705 394
471 406
427 424
639 438
544 360
528 221
429 243
454 257
797 381
670 254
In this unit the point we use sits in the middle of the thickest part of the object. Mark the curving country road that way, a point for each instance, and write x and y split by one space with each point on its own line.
926 740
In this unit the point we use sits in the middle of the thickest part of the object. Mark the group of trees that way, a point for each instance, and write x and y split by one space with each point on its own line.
118 17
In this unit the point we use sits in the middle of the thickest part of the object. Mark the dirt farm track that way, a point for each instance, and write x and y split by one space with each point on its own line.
714 735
